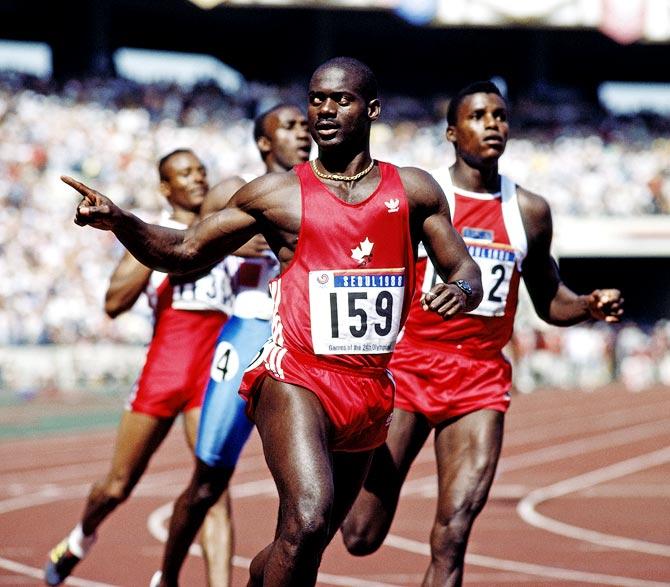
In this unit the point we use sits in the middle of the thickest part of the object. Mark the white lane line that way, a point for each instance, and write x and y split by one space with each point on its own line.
608 421
526 507
542 432
41 497
157 525
577 447
525 568
99 460
557 452
36 573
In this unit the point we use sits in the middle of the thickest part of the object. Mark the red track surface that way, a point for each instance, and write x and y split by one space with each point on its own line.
581 498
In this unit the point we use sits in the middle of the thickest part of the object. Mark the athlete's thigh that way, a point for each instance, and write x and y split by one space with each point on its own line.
467 450
407 434
294 429
191 424
349 470
224 426
138 437
376 503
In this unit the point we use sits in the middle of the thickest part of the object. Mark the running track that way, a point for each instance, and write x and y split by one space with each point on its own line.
581 498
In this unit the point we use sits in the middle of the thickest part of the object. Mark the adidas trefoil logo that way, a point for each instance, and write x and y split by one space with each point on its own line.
363 252
393 205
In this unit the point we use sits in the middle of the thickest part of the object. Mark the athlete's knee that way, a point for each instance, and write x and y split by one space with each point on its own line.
204 494
304 529
360 539
451 529
257 568
115 489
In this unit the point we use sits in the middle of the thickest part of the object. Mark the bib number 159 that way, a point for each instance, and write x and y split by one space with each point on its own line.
355 314
358 308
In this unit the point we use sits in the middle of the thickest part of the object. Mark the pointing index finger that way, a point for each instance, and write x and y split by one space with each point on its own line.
77 185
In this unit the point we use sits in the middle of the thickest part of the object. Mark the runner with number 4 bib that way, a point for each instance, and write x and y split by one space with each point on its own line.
283 141
187 319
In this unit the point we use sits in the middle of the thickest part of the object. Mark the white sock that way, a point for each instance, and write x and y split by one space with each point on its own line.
156 579
79 544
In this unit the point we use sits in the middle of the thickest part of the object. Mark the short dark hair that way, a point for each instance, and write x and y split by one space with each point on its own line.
366 78
259 121
163 161
480 87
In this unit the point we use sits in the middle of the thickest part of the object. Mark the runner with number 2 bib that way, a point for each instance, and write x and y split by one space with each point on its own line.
452 377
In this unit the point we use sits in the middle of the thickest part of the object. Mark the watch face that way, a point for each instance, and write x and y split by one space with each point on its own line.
465 286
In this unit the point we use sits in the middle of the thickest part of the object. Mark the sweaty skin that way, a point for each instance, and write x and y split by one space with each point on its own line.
314 498
467 446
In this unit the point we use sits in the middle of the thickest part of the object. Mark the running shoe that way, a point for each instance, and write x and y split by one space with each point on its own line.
60 564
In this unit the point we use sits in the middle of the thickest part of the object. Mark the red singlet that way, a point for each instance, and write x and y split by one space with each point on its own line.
187 321
468 372
339 306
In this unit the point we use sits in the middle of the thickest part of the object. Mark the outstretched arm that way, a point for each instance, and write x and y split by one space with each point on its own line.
166 249
431 223
554 302
216 200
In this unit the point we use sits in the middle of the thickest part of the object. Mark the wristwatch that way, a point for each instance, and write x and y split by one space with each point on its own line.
464 286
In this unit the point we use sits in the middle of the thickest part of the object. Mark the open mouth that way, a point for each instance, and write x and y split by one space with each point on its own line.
326 128
493 141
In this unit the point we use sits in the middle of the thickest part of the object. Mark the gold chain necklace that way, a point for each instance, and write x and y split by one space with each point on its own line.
337 176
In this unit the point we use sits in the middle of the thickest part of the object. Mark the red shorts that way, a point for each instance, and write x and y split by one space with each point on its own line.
359 403
441 383
176 370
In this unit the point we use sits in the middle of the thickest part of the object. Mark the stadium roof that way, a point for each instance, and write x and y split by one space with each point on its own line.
625 21
276 44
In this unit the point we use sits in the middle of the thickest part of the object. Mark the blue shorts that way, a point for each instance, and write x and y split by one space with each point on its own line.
224 426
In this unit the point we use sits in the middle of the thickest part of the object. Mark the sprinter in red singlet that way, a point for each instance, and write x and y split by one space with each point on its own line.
187 320
345 229
452 376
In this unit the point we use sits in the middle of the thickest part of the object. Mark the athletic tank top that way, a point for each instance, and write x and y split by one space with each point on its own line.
212 292
493 231
251 278
347 291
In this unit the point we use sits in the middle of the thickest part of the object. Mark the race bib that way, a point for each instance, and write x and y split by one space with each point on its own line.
497 266
355 312
226 362
212 292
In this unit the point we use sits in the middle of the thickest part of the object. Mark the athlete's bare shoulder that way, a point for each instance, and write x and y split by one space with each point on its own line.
265 191
536 216
274 201
218 196
534 208
422 189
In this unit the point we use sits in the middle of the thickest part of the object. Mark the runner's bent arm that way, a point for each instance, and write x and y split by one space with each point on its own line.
431 223
554 302
126 284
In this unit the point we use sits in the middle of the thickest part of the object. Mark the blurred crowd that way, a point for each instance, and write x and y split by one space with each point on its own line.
111 133
589 355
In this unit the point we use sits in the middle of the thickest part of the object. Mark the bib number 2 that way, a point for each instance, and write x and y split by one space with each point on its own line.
497 268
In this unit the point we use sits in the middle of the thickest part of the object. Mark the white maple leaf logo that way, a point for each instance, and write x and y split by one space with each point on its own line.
363 252
393 205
